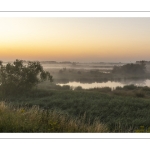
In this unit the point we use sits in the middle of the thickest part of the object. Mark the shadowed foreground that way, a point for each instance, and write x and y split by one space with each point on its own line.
34 119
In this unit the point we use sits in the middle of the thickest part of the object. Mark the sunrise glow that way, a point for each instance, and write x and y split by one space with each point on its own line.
75 39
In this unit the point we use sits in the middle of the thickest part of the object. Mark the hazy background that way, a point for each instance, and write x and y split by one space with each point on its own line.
75 39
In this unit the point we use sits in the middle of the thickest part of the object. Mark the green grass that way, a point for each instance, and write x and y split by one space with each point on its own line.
122 112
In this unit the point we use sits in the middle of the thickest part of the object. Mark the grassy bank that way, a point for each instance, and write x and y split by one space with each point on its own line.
34 119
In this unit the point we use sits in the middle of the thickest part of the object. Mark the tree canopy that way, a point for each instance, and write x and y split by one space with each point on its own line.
18 77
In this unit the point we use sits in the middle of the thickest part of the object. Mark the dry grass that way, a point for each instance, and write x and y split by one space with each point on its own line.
24 119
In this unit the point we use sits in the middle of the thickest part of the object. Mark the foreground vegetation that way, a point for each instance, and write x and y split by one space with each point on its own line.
24 119
118 111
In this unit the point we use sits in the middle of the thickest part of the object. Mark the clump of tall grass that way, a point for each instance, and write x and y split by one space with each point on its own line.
35 119
142 129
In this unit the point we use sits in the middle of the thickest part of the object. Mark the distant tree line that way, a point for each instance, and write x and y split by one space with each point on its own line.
130 69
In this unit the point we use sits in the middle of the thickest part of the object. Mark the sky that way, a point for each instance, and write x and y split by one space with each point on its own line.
75 39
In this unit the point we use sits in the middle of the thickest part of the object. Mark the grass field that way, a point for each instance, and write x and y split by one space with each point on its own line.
122 110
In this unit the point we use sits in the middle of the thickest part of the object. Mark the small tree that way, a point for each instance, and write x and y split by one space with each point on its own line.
18 78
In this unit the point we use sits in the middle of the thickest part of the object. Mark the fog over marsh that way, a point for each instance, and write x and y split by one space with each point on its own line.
92 75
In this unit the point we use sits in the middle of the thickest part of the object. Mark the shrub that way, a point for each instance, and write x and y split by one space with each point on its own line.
130 87
145 88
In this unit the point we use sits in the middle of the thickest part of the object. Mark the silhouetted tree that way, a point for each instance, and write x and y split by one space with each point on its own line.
17 78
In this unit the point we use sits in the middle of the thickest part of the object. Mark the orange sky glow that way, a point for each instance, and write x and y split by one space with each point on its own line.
75 39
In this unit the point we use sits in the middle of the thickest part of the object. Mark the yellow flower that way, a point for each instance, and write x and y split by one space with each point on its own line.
22 110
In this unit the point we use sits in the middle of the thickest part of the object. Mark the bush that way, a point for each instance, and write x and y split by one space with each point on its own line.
145 88
130 87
